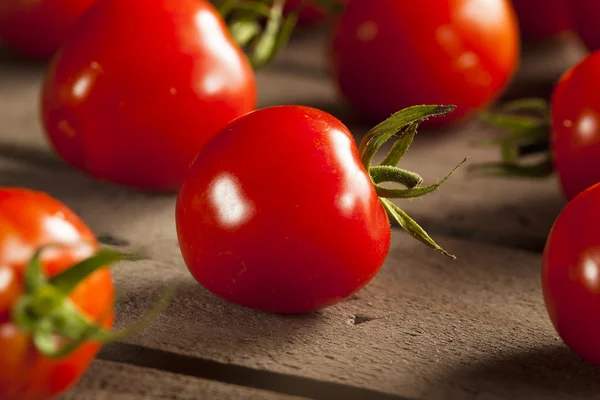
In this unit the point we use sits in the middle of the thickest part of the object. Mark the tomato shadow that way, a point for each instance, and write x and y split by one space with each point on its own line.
35 156
548 372
521 224
204 326
200 335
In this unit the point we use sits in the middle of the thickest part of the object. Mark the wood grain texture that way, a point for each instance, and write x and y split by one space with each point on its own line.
106 380
425 327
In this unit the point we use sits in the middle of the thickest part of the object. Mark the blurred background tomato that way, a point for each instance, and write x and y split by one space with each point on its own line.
36 29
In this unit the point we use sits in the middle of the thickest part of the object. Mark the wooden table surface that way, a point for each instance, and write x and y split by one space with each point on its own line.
425 328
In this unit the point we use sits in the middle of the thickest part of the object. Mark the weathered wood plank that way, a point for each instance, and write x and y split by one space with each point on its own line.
425 327
107 380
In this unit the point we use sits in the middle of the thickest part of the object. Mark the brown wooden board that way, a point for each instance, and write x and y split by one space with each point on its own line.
426 327
106 380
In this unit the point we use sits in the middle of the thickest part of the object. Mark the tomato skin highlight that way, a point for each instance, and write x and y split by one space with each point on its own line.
28 220
134 103
543 19
37 29
575 137
278 214
570 275
386 56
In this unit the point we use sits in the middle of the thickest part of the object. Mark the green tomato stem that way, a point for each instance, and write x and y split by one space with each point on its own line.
380 134
526 135
403 124
414 192
244 31
34 276
259 27
266 43
71 277
401 145
410 226
55 323
387 173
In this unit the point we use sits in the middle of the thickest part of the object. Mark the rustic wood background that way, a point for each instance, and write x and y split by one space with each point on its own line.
425 328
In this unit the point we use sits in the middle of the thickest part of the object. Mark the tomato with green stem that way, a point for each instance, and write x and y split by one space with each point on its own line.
56 296
37 29
390 54
281 212
571 275
133 103
565 134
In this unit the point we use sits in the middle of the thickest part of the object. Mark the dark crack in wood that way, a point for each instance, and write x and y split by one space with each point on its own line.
238 375
111 240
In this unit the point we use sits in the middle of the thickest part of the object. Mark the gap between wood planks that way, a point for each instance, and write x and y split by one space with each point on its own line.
167 361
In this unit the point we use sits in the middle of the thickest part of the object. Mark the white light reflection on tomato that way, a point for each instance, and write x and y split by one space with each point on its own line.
232 208
214 82
590 270
6 277
357 185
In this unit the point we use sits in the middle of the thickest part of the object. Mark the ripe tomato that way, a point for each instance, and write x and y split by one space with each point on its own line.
575 139
311 14
132 103
283 222
390 54
542 19
571 275
585 22
230 206
29 220
38 28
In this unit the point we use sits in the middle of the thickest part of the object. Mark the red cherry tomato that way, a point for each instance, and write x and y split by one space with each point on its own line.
390 54
133 103
38 28
575 138
29 220
571 275
247 211
311 14
585 22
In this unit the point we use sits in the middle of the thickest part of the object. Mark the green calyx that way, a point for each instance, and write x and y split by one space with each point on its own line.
258 27
527 123
404 125
56 325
